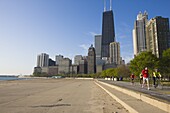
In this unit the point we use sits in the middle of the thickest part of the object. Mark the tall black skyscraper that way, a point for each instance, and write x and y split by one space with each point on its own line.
108 32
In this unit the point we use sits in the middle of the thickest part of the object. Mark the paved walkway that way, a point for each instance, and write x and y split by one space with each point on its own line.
158 93
131 103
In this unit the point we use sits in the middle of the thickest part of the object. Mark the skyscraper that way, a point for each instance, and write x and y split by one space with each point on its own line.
91 60
98 44
83 66
158 35
42 60
98 47
64 66
77 59
58 58
108 31
139 33
115 52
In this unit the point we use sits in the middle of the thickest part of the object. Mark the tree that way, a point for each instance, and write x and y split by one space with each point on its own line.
104 74
98 75
144 59
123 71
164 64
110 72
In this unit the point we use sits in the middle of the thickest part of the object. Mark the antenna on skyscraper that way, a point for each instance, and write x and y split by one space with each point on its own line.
104 5
110 4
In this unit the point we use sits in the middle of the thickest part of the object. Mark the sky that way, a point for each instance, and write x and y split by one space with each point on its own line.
65 27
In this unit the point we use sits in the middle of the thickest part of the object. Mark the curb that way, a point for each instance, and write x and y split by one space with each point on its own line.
161 105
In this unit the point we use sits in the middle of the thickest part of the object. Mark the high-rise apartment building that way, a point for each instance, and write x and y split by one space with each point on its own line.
98 47
83 66
139 33
77 59
64 66
58 58
42 60
108 31
158 35
98 44
91 59
115 52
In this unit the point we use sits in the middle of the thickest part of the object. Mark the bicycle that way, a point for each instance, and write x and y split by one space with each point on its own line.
158 83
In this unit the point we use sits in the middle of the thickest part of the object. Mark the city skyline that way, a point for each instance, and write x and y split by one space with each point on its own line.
65 27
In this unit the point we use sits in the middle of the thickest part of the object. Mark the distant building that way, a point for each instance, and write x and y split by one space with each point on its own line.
108 32
74 69
42 60
115 52
99 68
122 62
44 70
158 35
37 70
110 65
77 59
51 62
98 46
50 71
83 66
91 60
139 33
58 58
53 70
64 66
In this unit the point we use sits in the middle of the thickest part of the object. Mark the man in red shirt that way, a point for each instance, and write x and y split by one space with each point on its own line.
145 77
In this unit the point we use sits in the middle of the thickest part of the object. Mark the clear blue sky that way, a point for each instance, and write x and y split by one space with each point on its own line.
67 27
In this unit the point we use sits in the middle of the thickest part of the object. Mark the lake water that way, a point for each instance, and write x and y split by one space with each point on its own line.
2 78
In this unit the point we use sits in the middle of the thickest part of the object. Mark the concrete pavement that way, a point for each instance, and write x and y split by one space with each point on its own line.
134 98
56 96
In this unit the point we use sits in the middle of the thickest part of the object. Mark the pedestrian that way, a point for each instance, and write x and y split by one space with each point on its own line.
145 77
132 78
141 78
156 76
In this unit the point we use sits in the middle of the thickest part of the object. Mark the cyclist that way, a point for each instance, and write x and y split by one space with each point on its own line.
156 77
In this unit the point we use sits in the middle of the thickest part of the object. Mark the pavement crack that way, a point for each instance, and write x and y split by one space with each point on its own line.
51 105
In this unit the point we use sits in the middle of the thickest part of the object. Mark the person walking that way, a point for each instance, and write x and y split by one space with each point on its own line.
132 78
145 77
156 76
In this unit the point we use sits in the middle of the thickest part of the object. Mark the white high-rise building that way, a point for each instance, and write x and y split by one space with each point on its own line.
139 33
58 58
64 66
115 52
42 60
77 59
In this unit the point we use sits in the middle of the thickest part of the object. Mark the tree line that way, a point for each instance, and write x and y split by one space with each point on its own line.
136 65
